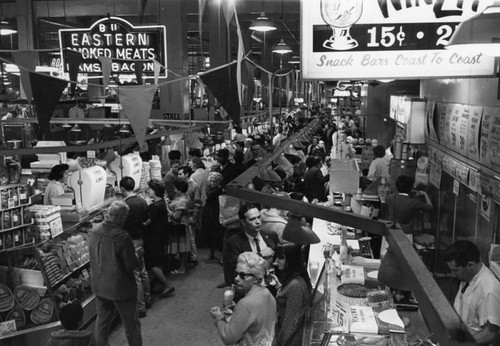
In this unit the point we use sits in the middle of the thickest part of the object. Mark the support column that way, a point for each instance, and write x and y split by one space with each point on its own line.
174 97
24 18
218 47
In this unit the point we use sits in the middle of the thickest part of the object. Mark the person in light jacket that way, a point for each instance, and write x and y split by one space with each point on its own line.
112 265
253 321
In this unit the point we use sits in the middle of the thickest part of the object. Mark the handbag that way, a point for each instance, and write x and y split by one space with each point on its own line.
176 229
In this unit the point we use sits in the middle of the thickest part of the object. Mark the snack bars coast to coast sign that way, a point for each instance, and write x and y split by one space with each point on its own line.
371 39
117 39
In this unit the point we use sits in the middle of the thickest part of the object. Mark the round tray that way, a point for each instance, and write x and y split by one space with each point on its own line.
18 315
6 298
352 294
42 313
26 297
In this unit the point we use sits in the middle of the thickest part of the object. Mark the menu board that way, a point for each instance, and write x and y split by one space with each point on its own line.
450 109
454 128
462 123
473 130
490 138
442 122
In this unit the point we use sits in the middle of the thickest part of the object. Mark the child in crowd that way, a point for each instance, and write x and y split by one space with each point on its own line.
71 316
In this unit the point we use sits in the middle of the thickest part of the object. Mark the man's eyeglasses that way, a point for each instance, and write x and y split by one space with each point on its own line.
243 276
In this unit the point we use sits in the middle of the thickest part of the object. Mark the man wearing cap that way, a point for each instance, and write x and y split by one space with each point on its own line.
55 187
249 238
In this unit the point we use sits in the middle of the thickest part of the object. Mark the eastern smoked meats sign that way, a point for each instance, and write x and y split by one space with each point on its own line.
115 38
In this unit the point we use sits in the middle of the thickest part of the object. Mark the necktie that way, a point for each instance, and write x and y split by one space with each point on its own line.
257 245
465 287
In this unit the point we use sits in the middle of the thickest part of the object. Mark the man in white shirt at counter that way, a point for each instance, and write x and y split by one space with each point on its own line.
478 298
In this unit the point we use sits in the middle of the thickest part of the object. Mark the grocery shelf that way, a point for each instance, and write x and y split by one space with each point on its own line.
61 280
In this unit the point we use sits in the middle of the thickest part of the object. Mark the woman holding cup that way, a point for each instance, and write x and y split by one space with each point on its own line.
253 320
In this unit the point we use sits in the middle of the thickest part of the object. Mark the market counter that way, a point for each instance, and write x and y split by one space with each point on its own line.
329 314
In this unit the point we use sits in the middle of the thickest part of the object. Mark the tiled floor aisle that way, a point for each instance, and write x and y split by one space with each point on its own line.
183 319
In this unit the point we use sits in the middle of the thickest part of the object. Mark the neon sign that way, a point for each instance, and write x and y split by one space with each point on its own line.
128 46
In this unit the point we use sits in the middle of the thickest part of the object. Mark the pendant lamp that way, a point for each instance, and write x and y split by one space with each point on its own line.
392 273
297 231
294 60
262 24
281 48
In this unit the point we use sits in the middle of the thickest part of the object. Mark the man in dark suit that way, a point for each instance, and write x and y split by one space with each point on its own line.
314 180
249 238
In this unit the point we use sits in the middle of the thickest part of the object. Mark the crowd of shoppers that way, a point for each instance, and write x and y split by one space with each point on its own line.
268 274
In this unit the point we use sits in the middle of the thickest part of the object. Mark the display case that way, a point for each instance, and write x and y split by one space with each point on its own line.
15 220
47 275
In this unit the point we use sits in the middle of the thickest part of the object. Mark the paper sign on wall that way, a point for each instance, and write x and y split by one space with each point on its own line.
473 130
442 122
474 181
435 175
493 154
454 127
462 173
486 207
449 165
484 146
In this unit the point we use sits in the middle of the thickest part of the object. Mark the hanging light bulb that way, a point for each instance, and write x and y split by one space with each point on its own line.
294 60
124 129
66 125
282 48
262 24
76 128
6 28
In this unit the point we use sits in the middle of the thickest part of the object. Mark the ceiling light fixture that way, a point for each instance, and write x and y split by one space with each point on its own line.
294 60
281 48
262 24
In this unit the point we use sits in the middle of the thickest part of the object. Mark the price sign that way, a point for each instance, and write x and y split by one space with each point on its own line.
90 154
340 316
383 39
85 274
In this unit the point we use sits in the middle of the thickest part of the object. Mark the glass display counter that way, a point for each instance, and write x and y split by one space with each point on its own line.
330 320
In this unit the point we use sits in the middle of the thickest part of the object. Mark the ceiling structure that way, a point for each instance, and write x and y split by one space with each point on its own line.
52 15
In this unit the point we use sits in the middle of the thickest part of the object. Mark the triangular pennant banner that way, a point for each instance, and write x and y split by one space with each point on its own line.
228 10
106 71
73 59
222 83
136 101
28 60
240 54
46 93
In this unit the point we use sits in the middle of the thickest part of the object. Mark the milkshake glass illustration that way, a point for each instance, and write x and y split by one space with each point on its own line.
341 15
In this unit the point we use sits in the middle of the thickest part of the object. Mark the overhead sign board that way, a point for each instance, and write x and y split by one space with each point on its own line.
119 40
371 39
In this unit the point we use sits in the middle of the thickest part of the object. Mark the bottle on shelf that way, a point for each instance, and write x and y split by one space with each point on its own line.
23 195
383 190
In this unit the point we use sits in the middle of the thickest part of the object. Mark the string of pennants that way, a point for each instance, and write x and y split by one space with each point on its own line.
229 82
